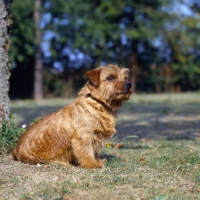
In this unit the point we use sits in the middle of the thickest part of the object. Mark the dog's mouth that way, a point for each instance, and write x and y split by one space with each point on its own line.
129 91
126 91
123 95
117 98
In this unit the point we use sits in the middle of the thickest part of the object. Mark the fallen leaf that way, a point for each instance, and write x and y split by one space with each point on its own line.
139 176
67 197
180 160
109 145
118 145
144 140
172 190
142 160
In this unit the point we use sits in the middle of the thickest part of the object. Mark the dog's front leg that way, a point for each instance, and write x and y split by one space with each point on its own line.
84 153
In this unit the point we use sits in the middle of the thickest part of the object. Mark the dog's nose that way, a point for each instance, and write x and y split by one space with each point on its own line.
128 85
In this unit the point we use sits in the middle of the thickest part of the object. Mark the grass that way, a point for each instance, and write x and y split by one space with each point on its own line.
162 163
9 134
154 170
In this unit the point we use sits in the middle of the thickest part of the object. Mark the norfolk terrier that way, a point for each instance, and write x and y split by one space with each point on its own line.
75 133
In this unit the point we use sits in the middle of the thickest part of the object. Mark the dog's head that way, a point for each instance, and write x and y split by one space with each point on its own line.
109 84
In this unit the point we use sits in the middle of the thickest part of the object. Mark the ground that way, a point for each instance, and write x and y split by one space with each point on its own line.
159 159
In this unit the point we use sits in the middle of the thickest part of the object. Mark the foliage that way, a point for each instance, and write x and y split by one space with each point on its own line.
183 40
78 35
22 50
55 85
9 135
104 30
23 30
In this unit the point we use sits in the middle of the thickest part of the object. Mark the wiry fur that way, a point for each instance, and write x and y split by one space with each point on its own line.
75 133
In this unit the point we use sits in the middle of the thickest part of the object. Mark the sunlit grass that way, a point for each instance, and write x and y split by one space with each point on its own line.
28 110
44 102
157 170
188 97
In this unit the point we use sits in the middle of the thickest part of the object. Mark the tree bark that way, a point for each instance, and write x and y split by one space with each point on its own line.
134 64
5 21
38 69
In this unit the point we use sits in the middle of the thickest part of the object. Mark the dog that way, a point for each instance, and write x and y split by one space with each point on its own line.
74 134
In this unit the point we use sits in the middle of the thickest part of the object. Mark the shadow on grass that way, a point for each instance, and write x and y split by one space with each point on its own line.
150 121
159 121
107 157
156 129
26 115
135 147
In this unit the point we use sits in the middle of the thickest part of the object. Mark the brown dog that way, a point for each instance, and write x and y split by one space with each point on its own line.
75 133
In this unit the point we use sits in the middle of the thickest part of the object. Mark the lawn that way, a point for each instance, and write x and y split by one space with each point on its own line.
155 155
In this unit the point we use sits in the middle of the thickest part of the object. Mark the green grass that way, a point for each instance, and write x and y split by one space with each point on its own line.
9 135
161 163
156 170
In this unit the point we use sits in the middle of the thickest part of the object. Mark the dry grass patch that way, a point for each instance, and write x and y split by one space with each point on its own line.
155 170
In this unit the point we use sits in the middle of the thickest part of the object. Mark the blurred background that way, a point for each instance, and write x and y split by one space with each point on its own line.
54 42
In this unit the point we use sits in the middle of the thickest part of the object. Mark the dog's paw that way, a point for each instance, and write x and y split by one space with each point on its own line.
93 164
101 161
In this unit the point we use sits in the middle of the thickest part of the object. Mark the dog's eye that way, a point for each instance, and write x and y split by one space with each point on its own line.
110 78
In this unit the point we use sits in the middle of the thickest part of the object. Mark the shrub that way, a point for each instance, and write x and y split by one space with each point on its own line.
9 135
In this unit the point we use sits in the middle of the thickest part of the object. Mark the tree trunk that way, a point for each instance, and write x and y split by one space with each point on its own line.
134 64
5 21
38 70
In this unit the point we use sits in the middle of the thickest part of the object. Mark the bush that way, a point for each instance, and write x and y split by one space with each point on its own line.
9 135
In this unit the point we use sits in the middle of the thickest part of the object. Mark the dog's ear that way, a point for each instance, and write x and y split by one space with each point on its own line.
94 76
